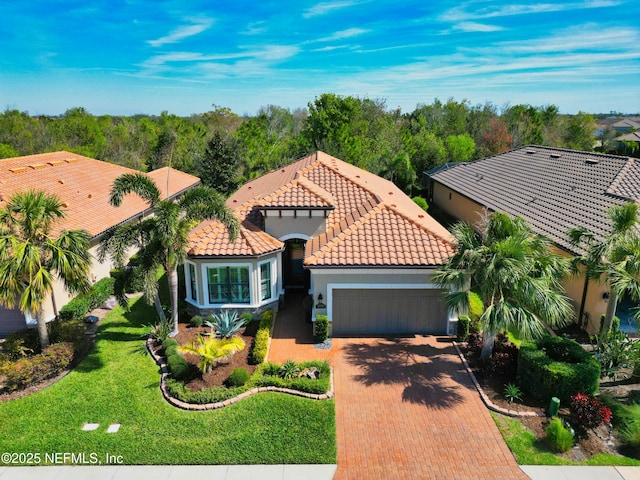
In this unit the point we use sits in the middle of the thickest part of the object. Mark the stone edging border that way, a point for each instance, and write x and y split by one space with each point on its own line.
485 399
161 362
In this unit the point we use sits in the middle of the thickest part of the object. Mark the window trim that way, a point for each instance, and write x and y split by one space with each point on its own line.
192 294
269 281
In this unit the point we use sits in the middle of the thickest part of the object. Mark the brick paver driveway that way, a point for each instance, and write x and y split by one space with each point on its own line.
405 407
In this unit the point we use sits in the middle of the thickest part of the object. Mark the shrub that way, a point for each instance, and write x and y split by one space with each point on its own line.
212 350
246 318
225 324
559 437
589 411
321 327
614 350
474 342
196 321
168 342
556 367
210 395
421 202
160 331
238 378
71 331
289 370
512 392
79 306
34 369
463 328
21 343
267 375
630 435
178 366
76 309
476 308
170 350
261 340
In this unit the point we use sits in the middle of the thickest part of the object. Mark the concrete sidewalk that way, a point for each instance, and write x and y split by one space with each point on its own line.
171 472
274 472
554 472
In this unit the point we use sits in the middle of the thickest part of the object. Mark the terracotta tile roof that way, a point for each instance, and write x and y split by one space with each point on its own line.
373 223
554 189
211 239
83 185
382 237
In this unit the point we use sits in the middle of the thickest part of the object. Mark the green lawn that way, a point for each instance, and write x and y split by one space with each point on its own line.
529 451
119 383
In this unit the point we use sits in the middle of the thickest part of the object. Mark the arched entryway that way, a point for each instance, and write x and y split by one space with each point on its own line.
296 277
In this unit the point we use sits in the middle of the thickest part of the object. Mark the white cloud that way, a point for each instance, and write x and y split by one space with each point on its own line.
350 32
255 28
464 12
476 27
327 7
198 26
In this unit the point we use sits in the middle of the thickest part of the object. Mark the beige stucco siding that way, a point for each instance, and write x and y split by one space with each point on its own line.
456 205
300 226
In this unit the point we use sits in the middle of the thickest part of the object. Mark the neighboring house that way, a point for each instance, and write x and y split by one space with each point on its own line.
355 242
554 190
626 125
628 137
83 185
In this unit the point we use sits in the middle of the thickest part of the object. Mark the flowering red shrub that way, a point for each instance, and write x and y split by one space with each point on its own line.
589 411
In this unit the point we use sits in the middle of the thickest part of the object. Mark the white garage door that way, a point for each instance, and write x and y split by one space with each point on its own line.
360 311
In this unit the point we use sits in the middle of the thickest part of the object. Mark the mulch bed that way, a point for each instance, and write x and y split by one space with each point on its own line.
220 373
595 442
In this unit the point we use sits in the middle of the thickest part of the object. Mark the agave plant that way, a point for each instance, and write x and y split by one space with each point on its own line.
212 350
225 324
289 370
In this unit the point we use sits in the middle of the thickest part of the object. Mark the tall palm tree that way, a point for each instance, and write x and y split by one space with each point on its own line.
31 257
614 258
162 238
515 274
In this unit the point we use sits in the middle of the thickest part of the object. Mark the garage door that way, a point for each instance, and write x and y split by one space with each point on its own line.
10 321
384 311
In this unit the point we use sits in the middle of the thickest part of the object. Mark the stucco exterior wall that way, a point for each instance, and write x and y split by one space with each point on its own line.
289 226
456 205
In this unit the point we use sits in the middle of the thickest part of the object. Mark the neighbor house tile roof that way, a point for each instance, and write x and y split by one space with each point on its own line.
370 221
83 185
554 189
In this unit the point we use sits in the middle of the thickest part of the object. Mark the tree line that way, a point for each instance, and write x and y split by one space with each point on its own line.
225 149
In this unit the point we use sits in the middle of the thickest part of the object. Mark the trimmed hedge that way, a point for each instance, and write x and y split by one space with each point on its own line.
261 340
29 370
463 328
78 307
266 376
178 366
322 327
557 367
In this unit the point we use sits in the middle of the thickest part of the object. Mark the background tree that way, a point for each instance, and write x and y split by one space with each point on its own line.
31 257
580 132
162 238
460 148
514 273
218 168
614 258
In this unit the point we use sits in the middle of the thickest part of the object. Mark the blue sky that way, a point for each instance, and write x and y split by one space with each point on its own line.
146 56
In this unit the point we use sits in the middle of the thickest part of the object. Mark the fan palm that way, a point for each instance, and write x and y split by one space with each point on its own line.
162 238
515 274
212 350
31 257
614 258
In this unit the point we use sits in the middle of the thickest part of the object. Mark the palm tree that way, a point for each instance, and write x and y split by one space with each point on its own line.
162 238
31 257
515 274
614 258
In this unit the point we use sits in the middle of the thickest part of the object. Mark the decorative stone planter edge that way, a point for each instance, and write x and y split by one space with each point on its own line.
164 374
485 399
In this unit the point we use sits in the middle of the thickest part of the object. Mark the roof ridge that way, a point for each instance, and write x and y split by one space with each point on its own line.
621 175
316 190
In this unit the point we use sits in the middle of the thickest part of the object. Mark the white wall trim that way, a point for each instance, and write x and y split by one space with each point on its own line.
372 271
